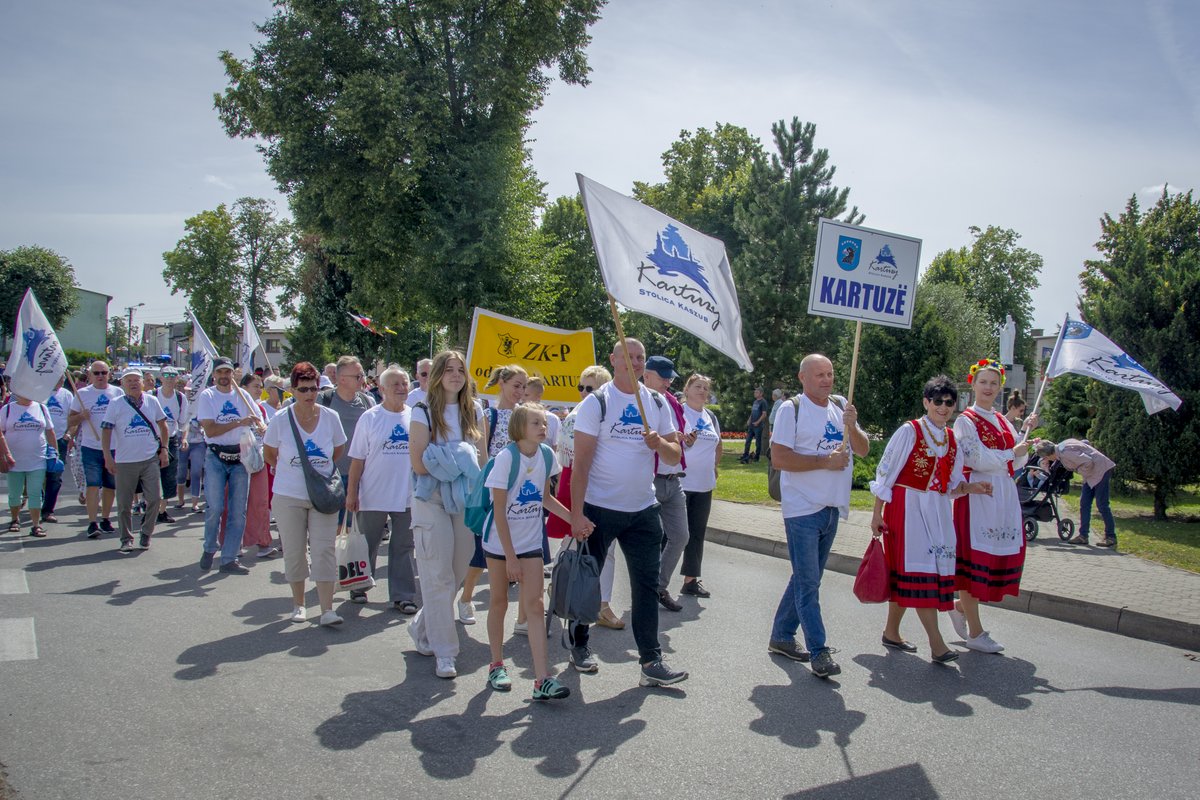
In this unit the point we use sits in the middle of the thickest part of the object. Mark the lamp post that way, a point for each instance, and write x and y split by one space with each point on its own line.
129 333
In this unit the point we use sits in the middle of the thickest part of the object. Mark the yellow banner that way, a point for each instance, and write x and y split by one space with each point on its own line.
554 355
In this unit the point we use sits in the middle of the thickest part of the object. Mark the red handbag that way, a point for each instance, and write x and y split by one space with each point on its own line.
872 584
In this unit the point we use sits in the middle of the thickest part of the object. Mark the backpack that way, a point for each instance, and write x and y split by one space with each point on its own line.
479 511
773 474
325 398
493 418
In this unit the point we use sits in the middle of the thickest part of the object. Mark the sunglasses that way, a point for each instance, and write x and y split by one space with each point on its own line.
588 389
105 372
948 402
305 389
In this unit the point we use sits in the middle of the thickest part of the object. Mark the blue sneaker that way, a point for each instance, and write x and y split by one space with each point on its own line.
550 689
498 679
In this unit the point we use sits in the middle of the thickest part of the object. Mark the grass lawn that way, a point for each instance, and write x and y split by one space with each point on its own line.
1175 542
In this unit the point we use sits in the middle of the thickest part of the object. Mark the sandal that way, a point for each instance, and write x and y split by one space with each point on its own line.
14 527
38 532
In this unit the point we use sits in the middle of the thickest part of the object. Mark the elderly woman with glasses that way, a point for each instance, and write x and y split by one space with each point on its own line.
918 475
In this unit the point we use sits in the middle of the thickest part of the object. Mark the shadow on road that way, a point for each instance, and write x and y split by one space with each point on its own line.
1006 682
909 782
797 713
451 746
306 641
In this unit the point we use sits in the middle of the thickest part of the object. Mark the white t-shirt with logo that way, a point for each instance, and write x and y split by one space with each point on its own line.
453 423
132 438
818 432
59 405
222 408
96 402
702 455
175 407
25 430
320 444
622 474
381 441
524 507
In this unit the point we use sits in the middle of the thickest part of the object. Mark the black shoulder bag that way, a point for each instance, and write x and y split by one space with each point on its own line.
327 495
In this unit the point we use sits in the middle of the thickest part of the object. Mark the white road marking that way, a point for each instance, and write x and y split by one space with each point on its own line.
18 642
12 581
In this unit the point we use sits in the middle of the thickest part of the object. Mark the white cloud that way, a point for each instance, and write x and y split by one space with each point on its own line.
213 180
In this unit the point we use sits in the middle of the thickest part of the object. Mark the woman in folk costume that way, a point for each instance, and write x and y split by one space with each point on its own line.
991 543
921 470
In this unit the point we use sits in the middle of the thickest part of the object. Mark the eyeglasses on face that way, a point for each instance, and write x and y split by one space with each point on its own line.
305 389
948 402
588 389
100 372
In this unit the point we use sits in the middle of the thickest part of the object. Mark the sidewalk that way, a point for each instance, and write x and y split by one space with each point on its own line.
1090 586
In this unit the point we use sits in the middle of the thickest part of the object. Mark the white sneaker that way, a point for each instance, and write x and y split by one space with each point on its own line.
419 641
299 614
445 667
959 622
984 643
466 613
521 629
330 617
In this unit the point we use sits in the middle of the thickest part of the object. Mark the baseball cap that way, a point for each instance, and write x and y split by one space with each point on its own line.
663 366
170 372
221 362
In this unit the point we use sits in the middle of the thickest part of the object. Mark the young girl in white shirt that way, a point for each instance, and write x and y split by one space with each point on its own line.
513 546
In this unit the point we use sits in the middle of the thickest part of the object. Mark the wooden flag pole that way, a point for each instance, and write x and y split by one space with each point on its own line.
612 304
854 362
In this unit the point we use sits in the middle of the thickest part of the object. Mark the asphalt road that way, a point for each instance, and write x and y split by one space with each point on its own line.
153 681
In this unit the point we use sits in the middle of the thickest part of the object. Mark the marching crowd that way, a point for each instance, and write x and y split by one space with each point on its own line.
321 453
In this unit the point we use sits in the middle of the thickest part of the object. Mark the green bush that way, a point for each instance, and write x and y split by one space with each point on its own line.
81 358
864 466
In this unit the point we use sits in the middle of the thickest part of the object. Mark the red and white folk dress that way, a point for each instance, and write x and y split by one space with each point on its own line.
991 543
920 464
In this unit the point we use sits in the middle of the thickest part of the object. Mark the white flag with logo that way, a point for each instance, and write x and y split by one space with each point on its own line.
203 354
1086 351
37 360
250 341
661 267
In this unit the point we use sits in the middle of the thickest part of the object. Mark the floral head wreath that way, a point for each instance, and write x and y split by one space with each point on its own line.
986 363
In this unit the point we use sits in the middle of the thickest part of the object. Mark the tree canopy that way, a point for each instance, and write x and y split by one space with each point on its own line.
396 128
228 257
1142 293
51 277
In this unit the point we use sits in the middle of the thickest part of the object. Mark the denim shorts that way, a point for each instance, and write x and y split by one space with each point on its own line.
94 473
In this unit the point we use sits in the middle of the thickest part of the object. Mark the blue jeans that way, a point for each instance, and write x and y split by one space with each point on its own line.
217 475
1100 495
809 541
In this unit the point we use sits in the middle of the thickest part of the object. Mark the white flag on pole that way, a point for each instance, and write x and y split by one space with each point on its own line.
250 341
656 265
37 360
1086 351
203 354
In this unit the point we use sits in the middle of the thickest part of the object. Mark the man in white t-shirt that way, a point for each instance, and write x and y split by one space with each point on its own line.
613 474
59 406
87 412
175 405
808 446
224 412
133 439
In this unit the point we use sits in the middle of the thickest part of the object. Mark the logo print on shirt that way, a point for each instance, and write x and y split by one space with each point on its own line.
701 425
101 402
832 434
398 434
53 402
136 422
27 422
529 493
229 409
397 441
630 415
527 503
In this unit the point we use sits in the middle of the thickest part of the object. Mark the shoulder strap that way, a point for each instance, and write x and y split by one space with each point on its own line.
514 455
796 408
325 398
716 423
599 394
547 457
428 419
153 429
493 418
838 401
305 464
658 401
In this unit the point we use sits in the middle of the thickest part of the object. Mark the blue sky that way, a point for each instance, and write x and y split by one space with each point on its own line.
939 115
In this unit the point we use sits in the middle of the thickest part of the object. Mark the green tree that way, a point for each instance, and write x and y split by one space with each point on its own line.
397 129
1066 412
228 257
1142 294
51 277
1000 275
894 364
573 273
786 195
116 337
974 337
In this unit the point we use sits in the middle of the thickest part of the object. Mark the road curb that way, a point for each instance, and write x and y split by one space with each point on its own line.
1112 619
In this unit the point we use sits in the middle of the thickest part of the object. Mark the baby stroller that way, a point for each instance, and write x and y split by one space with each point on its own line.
1038 489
